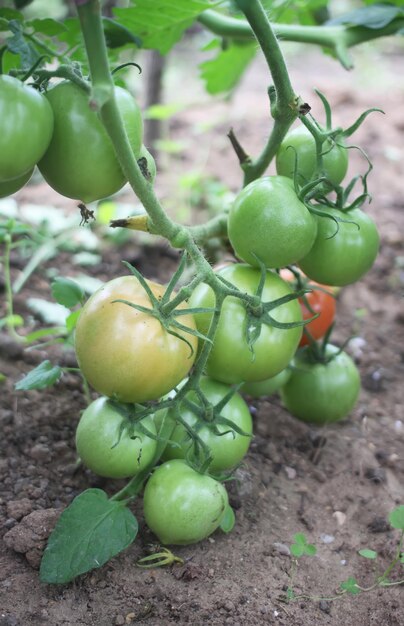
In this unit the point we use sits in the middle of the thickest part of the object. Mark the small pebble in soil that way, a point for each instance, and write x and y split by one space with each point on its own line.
340 517
376 475
378 525
325 606
327 538
374 381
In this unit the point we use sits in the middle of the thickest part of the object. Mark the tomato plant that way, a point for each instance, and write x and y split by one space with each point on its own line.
136 340
231 359
182 506
343 253
227 446
80 161
266 387
110 445
26 124
127 353
298 149
321 392
269 209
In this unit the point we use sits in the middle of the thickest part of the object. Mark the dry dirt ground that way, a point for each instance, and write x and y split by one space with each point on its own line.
337 485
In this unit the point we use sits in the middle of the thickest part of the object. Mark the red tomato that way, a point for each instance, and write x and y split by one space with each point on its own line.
320 300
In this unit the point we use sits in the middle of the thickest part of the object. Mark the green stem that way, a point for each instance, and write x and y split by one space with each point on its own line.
335 38
9 291
284 102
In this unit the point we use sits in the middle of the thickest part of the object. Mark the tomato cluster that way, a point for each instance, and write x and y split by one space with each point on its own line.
132 349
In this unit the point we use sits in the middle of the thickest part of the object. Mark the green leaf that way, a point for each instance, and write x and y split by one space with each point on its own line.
116 35
396 517
44 375
368 554
18 44
297 550
228 520
67 292
300 538
89 532
11 14
351 586
12 320
160 23
310 549
375 17
224 72
71 320
47 26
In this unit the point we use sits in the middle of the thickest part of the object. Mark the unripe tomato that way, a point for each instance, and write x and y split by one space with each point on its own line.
26 125
227 448
268 222
321 393
126 353
182 506
341 257
80 162
231 359
107 445
8 187
300 143
266 387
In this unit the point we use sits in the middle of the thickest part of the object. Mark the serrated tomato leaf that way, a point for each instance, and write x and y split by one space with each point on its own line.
89 533
222 73
160 24
44 375
375 16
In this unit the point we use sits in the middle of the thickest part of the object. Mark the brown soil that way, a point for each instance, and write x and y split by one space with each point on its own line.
337 485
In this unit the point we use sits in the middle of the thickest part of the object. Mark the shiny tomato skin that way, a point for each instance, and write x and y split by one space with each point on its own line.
300 142
342 256
231 360
267 221
106 448
181 506
320 300
227 449
80 161
125 353
8 187
26 125
266 387
319 393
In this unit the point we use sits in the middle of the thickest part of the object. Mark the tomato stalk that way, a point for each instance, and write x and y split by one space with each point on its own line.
336 38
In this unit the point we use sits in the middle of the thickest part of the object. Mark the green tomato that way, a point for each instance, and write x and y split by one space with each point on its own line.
266 387
182 506
26 125
231 360
341 256
268 222
299 143
150 162
8 187
80 162
107 445
321 393
229 447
